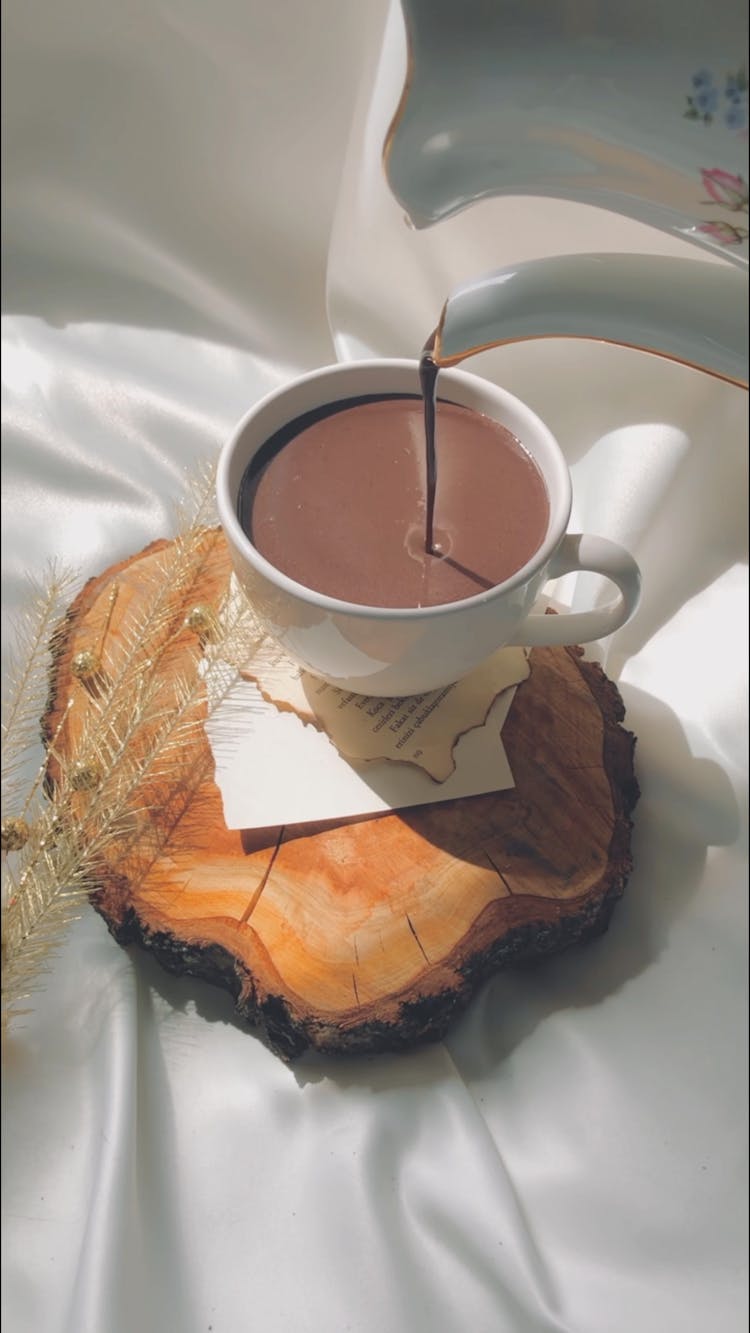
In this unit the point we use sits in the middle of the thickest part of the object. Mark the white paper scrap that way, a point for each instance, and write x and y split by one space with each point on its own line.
273 769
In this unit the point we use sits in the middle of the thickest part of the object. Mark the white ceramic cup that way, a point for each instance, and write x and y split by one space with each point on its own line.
383 651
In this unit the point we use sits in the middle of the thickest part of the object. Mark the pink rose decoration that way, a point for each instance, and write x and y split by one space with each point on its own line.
724 232
725 189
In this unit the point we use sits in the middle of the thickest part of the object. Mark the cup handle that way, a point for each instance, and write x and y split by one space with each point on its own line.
596 555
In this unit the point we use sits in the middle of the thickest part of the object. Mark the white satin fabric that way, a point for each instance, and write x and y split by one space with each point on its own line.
195 211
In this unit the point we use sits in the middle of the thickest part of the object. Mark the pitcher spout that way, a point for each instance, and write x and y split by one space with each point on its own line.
687 310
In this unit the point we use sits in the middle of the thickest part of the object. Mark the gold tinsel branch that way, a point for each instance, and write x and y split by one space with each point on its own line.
130 738
27 677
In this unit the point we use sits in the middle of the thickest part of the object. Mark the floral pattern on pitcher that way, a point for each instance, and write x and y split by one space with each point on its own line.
722 102
709 102
730 192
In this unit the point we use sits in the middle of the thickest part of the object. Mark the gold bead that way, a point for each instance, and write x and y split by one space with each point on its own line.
14 834
85 665
84 777
201 620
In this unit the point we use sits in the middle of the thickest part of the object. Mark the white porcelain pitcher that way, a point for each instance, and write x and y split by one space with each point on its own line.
639 108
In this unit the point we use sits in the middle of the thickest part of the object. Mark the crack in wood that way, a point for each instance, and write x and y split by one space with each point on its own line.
356 991
410 924
498 872
266 875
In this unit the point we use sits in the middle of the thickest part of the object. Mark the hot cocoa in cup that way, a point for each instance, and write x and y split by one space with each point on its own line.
336 501
321 499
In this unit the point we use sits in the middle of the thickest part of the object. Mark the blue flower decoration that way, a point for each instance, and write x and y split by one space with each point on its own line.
703 101
707 99
736 117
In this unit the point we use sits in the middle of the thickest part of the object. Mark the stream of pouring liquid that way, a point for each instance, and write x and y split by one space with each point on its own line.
428 374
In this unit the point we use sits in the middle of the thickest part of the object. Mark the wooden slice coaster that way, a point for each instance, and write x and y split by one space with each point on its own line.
366 935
